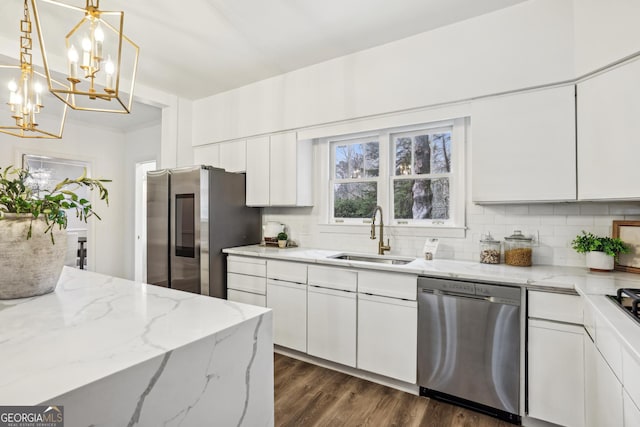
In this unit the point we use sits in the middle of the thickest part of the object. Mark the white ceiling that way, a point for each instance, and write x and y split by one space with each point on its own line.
198 48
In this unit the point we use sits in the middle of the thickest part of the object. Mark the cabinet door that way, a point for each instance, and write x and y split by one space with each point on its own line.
233 156
556 372
608 111
258 171
289 304
246 298
603 401
331 325
631 411
523 147
387 337
207 155
283 169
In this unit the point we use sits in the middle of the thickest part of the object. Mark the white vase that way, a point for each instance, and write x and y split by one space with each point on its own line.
599 261
29 267
282 244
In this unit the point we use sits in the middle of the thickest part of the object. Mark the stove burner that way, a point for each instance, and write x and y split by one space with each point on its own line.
629 300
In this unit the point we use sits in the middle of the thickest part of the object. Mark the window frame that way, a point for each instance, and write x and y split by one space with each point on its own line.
450 222
379 180
454 227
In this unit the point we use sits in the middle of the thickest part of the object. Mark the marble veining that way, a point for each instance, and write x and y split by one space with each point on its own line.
135 418
95 326
248 373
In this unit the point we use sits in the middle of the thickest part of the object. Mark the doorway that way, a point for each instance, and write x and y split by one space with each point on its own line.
140 269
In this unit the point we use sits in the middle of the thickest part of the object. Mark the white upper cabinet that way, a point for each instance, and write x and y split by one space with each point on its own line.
279 171
230 156
258 171
207 155
608 127
233 156
523 147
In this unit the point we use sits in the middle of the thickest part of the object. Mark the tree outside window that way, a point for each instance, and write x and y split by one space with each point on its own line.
355 178
422 172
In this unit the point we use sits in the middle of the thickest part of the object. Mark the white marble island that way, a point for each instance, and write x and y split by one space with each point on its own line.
121 353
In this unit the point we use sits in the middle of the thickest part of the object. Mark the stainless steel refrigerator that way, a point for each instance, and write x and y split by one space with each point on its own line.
192 214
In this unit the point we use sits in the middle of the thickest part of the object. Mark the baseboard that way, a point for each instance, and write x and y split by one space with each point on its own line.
379 379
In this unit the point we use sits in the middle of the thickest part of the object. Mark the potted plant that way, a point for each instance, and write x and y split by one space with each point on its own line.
32 236
601 251
282 239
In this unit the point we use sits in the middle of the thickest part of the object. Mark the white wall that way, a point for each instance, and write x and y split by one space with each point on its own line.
524 45
104 149
533 43
140 145
605 31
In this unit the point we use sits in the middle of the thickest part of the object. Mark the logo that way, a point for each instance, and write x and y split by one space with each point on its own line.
31 416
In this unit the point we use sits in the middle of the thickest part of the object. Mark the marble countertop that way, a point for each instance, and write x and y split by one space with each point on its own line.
93 326
557 278
592 286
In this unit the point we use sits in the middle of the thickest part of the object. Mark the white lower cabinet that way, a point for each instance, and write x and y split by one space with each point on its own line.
246 281
288 301
387 336
332 325
556 372
246 297
603 401
631 411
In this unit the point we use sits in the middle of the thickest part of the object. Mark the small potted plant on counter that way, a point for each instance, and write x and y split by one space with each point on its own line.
32 230
282 239
601 251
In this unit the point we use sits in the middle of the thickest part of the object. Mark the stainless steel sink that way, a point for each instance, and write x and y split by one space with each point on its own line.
373 259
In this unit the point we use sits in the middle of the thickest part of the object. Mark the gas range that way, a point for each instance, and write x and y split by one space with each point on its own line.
629 300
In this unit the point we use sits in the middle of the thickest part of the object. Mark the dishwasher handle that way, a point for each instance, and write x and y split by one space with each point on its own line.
453 294
490 299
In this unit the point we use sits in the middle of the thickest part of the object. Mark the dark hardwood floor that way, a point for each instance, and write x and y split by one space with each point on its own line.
309 395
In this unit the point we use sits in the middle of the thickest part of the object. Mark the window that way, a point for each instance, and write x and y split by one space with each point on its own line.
355 178
421 175
414 173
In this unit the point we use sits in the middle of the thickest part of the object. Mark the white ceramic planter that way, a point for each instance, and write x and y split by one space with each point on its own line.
29 267
599 261
282 244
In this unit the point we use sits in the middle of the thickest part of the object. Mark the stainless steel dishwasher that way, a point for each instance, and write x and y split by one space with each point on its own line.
469 345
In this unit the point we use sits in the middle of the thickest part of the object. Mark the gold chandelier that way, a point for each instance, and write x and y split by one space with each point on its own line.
27 95
100 59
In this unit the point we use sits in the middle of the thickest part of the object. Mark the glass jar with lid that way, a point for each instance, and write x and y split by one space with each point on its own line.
518 249
489 250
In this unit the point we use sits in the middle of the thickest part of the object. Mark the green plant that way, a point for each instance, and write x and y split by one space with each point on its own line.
588 242
282 236
17 196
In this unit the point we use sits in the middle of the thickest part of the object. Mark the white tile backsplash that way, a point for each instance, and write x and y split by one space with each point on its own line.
556 224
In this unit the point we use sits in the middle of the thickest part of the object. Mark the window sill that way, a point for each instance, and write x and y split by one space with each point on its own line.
396 230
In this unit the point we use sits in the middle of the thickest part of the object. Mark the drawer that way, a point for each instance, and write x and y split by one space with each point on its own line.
333 278
609 344
241 282
247 298
589 320
287 271
392 285
558 307
630 375
246 265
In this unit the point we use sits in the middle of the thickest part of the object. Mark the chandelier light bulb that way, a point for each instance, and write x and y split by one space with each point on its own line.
98 35
13 86
73 54
109 70
38 88
73 62
86 52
